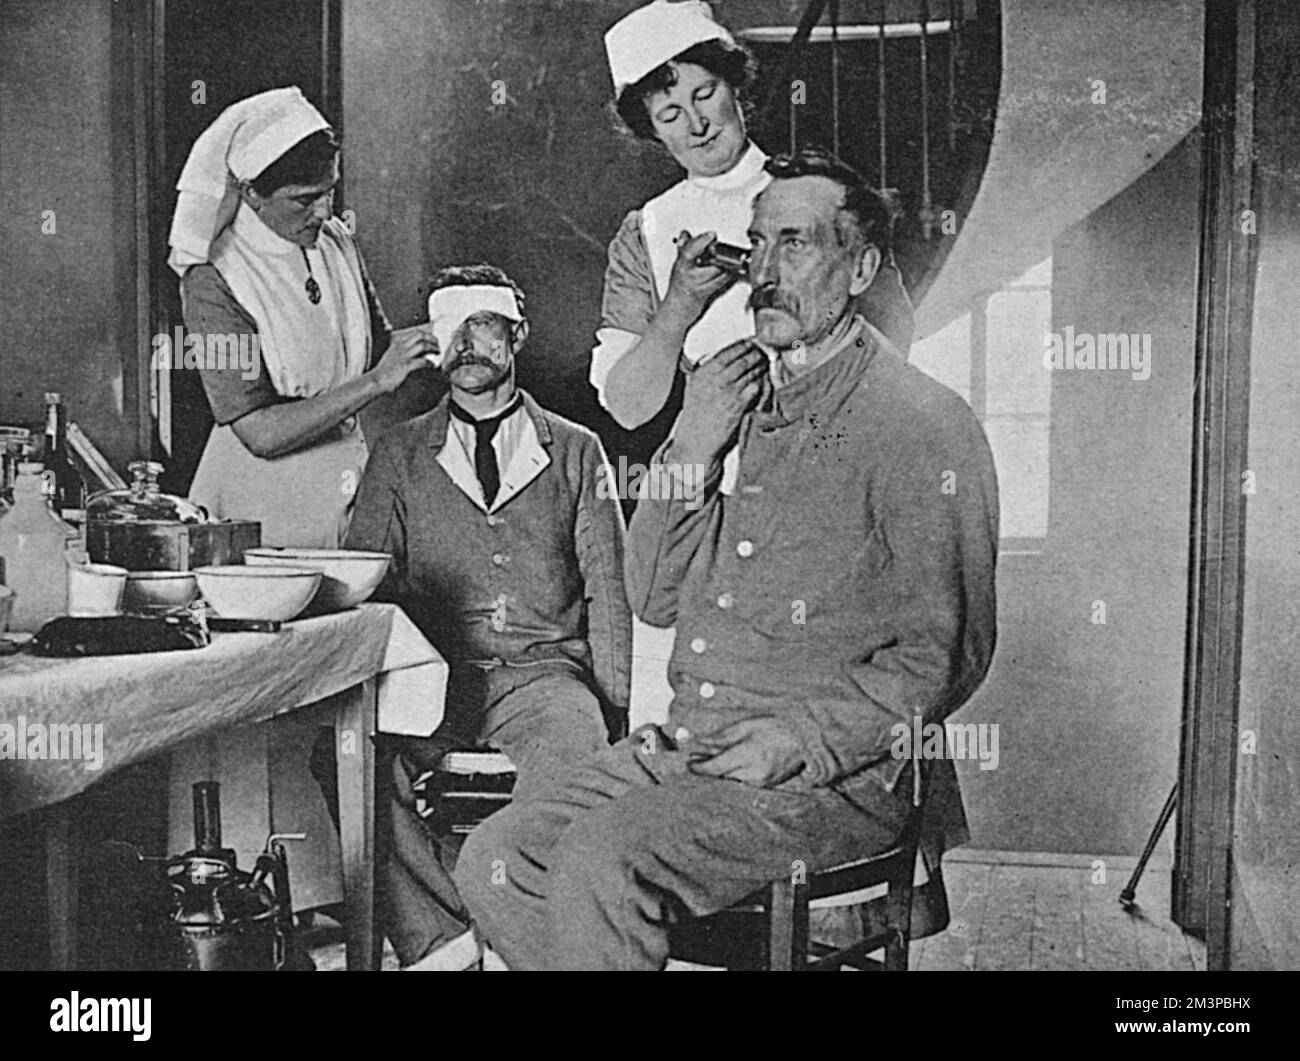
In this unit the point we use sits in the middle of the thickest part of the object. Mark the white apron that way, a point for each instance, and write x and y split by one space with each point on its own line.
304 498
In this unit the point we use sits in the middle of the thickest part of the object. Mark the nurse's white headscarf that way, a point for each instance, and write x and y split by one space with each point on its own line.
246 138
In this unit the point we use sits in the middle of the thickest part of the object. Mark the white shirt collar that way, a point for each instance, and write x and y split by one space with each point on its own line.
521 457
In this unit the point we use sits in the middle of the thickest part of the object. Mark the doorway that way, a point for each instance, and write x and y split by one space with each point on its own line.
205 57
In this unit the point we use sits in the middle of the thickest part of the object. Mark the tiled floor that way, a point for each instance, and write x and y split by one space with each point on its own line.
1011 910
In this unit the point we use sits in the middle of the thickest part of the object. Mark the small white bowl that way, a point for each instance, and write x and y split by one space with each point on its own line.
351 575
150 592
95 590
269 594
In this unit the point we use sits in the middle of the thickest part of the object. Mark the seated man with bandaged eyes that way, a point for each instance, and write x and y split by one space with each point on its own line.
510 560
845 587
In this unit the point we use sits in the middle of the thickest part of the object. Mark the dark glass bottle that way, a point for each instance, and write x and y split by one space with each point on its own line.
64 485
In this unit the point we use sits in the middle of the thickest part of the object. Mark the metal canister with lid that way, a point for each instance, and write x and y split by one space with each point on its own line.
215 916
143 529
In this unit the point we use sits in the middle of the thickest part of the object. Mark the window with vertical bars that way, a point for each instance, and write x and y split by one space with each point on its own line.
909 104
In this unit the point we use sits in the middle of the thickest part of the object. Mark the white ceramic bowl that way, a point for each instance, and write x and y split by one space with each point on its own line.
159 591
351 575
95 590
275 594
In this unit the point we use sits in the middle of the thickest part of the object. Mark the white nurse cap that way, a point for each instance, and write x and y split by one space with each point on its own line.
653 34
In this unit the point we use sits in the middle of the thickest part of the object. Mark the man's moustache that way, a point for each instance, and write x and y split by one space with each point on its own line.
461 362
768 298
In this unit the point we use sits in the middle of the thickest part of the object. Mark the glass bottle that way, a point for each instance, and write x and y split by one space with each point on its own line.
33 541
64 485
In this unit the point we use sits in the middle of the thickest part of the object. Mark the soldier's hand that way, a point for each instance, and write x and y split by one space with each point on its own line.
757 751
718 395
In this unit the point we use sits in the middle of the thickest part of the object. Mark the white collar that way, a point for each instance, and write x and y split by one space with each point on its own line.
260 236
746 173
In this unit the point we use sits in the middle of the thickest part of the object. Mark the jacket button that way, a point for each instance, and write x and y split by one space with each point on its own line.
726 601
698 645
745 548
707 690
492 521
499 559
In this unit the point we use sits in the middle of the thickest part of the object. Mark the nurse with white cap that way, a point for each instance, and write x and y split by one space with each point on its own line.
262 259
679 77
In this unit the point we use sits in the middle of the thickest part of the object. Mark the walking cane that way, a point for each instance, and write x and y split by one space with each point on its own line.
1128 895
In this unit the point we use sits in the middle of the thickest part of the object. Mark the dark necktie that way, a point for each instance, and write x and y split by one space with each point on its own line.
485 457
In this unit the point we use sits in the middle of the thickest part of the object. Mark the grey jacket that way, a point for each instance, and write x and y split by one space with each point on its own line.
848 584
537 579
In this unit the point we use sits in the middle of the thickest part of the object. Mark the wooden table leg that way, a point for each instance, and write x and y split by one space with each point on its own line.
780 926
355 751
61 885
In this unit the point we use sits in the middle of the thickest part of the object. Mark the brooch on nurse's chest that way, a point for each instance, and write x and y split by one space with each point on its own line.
313 288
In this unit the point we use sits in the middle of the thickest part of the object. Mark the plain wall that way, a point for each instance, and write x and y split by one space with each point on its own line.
1089 713
67 299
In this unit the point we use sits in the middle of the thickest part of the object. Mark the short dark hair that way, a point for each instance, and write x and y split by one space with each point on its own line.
307 162
481 275
732 62
873 211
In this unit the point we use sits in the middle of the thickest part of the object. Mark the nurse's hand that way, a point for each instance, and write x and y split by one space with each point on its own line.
718 395
407 352
692 287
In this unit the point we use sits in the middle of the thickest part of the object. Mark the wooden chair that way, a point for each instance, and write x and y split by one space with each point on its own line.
469 784
769 930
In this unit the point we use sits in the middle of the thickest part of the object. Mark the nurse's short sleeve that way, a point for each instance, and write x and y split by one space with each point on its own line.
210 308
629 301
630 298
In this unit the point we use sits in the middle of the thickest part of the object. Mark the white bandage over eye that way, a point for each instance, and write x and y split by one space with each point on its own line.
450 307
